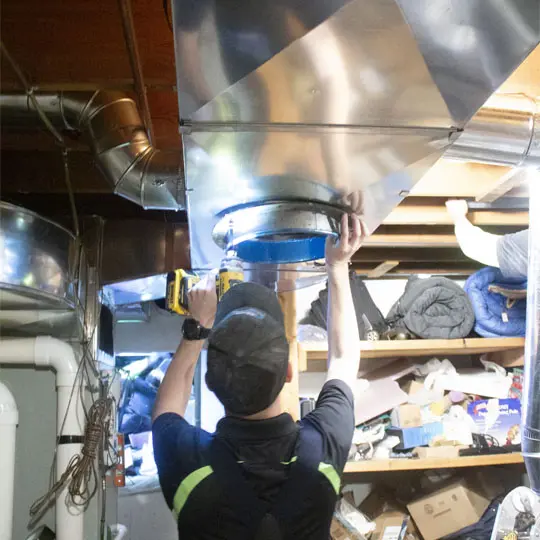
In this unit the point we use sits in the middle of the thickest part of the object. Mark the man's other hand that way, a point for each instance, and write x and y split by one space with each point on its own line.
202 300
339 252
457 209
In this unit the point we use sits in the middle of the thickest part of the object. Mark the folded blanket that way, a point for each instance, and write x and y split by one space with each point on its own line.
433 308
499 303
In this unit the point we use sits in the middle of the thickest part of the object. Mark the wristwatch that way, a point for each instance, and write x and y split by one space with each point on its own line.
193 331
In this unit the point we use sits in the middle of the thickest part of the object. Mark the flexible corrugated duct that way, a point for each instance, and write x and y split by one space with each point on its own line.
136 170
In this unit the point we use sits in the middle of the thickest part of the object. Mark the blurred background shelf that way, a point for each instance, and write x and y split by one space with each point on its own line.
387 465
507 351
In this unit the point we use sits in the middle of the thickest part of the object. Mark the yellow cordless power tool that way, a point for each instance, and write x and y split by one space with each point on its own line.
180 282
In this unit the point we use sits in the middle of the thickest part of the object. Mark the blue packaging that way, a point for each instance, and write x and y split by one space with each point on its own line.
500 418
416 436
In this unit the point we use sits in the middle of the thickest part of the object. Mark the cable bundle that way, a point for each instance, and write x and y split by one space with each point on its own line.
80 476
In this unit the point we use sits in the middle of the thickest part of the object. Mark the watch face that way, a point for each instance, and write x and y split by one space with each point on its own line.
192 329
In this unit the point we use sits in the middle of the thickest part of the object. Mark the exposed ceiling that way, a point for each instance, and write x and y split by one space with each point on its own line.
80 46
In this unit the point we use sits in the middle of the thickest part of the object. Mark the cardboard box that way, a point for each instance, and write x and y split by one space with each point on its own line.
450 508
406 416
394 525
339 532
380 499
416 436
412 387
438 452
500 418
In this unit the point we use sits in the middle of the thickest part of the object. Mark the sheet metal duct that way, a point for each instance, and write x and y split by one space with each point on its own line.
328 102
505 131
42 276
135 169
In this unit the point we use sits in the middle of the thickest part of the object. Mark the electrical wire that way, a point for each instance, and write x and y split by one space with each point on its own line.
80 476
167 14
30 93
67 180
50 127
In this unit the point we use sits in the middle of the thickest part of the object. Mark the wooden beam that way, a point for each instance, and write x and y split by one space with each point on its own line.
388 465
508 181
459 268
455 179
382 269
56 207
411 240
67 85
438 215
415 254
96 52
290 395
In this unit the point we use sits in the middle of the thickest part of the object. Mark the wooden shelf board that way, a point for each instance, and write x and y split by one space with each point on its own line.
419 347
385 465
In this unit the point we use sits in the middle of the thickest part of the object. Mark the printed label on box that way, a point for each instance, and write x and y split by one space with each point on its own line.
499 418
391 533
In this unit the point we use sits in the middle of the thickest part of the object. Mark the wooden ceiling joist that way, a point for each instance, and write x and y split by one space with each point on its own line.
438 215
415 254
454 179
510 180
382 269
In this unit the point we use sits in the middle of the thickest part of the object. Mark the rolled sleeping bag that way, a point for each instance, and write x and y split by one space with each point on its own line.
499 303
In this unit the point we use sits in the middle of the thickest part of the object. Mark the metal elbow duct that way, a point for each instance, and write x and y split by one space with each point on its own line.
135 169
505 131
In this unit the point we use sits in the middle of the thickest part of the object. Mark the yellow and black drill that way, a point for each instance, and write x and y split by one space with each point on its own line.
179 283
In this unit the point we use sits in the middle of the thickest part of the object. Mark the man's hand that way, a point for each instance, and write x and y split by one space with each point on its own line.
457 209
339 252
202 300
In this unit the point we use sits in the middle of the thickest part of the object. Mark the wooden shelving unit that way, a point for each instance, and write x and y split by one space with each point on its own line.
389 465
317 351
508 351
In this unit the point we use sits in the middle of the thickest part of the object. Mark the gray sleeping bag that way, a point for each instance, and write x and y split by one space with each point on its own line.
433 308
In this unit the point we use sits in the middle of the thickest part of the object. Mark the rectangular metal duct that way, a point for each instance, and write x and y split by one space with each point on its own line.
317 100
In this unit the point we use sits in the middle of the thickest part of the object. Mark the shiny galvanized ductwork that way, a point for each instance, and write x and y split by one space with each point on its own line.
505 131
328 103
136 170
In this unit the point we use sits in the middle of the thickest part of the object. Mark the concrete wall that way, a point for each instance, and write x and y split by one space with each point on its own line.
35 394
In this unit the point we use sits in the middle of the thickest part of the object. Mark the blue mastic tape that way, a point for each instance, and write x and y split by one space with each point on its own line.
282 251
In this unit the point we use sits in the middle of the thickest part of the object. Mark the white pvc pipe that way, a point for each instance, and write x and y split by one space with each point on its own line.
119 531
49 352
9 417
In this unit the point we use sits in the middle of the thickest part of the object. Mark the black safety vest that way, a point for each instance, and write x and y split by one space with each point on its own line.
299 495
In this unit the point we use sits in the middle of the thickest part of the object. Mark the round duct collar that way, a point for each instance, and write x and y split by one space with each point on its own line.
278 232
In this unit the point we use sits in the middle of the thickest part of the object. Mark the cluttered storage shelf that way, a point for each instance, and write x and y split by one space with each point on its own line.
309 351
508 352
386 465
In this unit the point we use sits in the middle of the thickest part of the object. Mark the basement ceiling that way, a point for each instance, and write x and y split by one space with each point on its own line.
80 46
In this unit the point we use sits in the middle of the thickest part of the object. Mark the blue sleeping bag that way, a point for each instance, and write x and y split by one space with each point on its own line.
499 303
